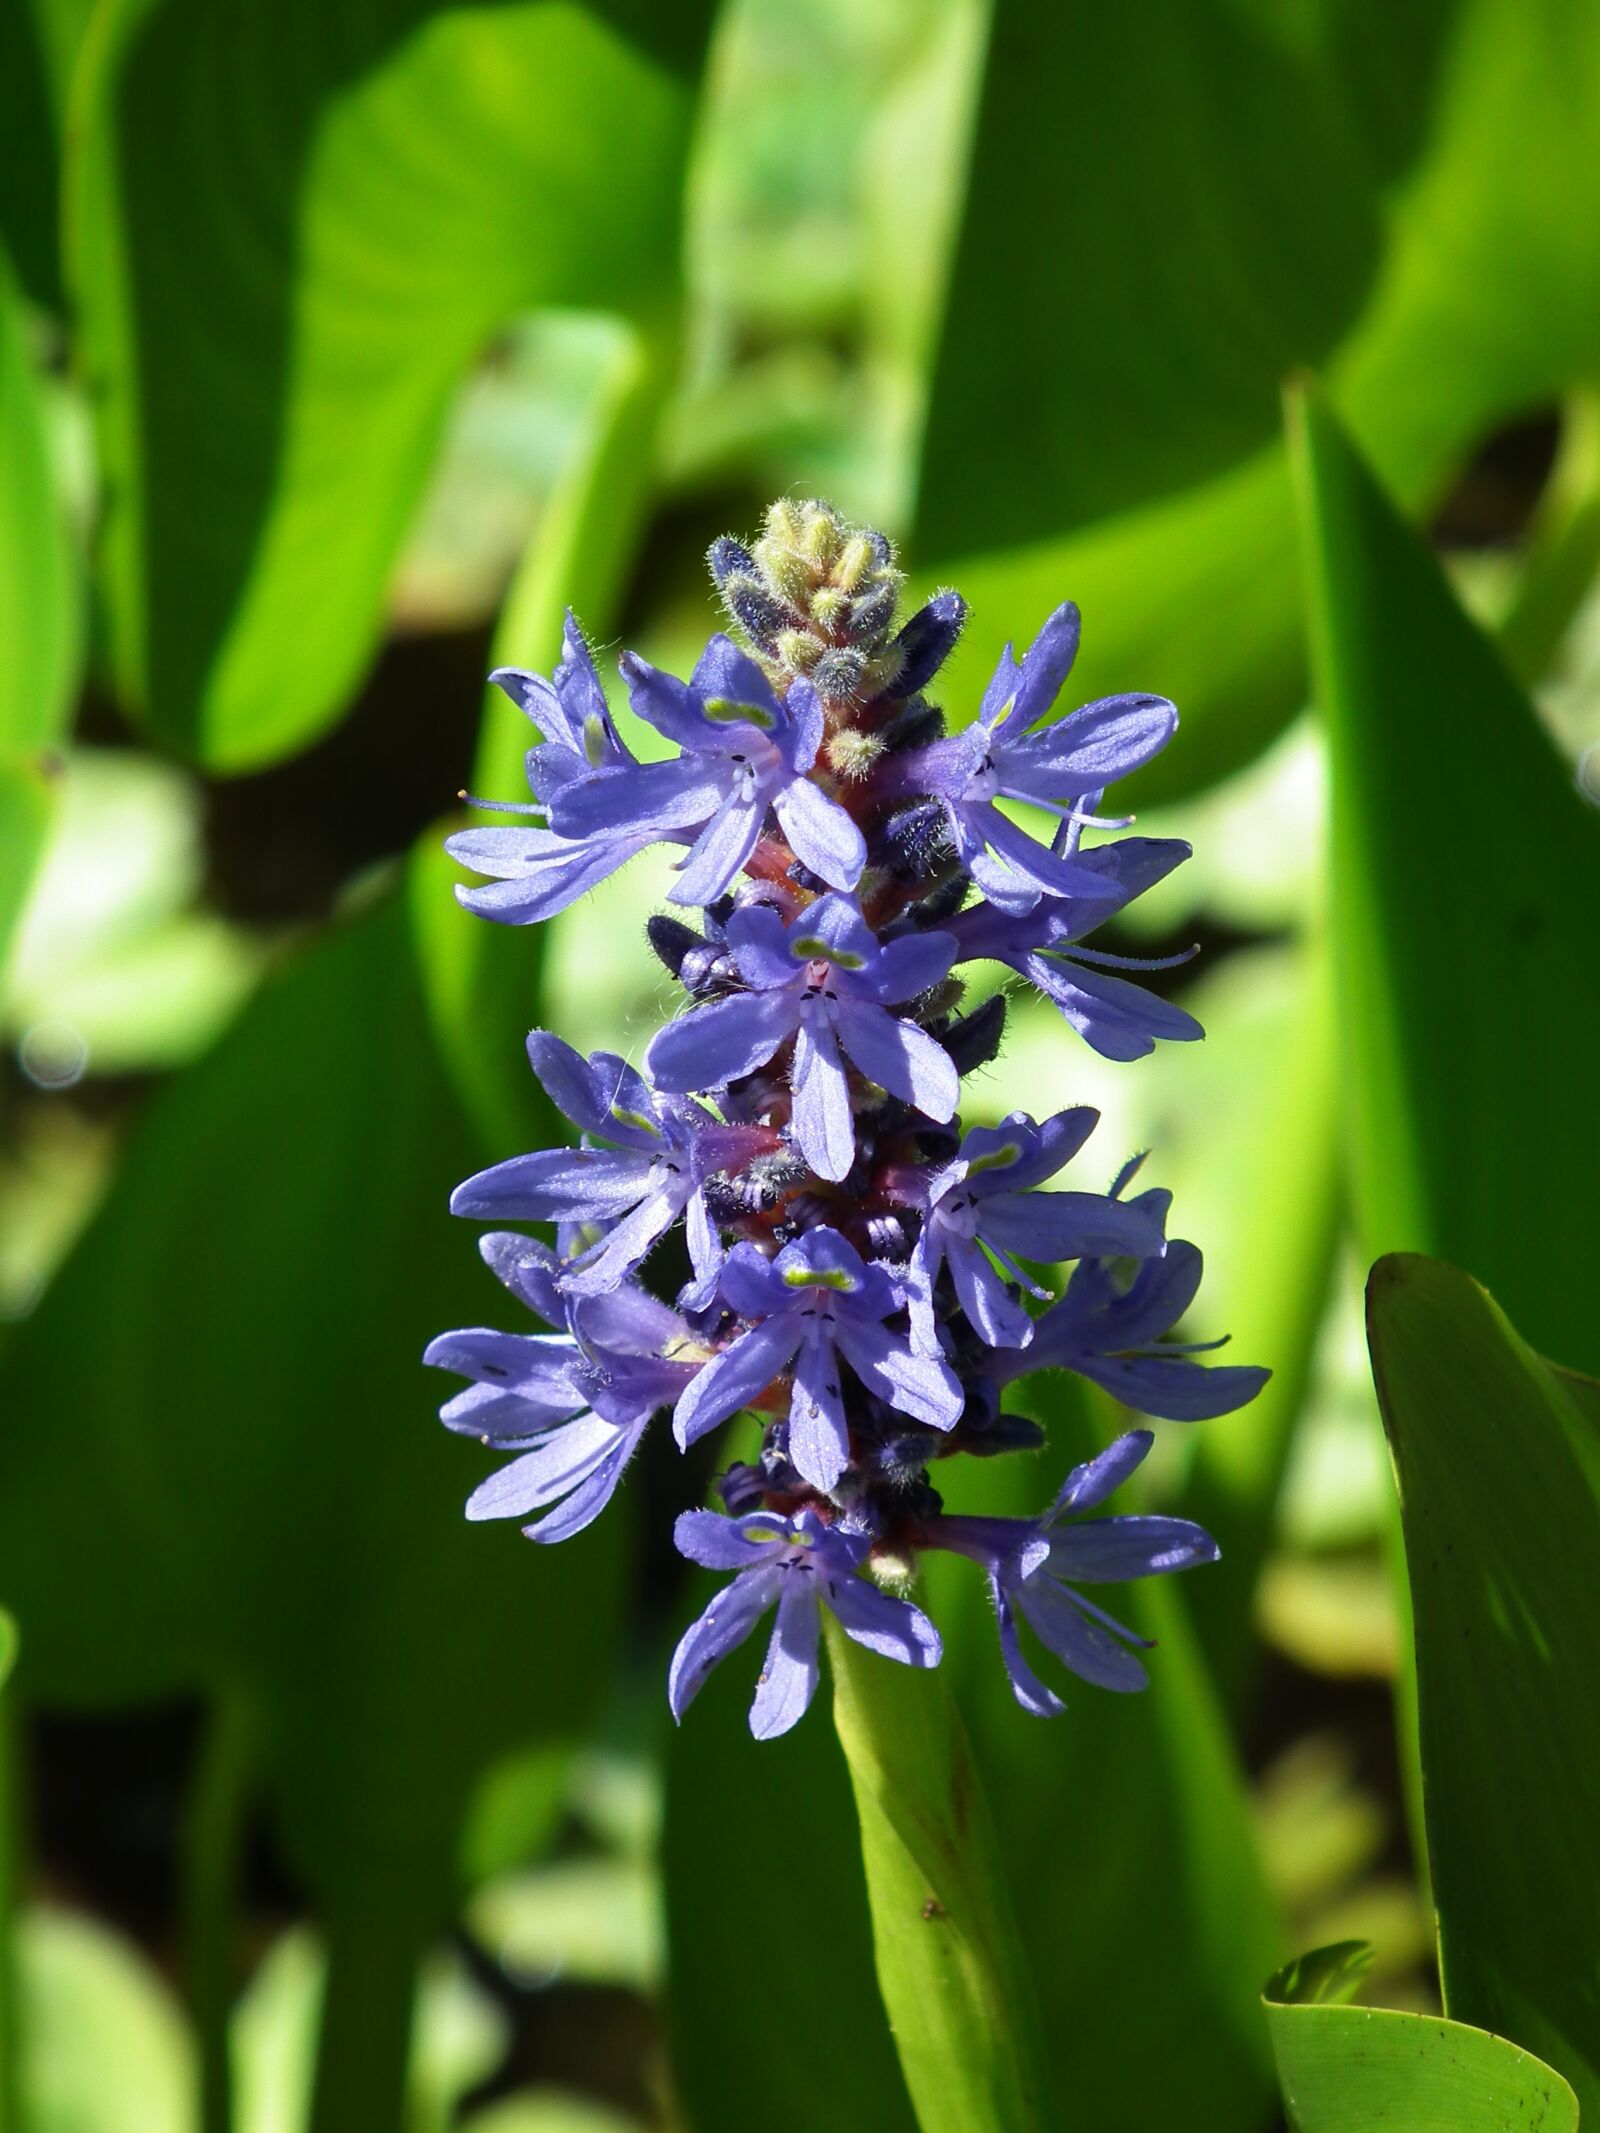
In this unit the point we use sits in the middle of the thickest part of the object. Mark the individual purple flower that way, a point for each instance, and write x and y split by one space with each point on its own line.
664 1151
800 1566
743 752
827 982
539 873
818 1302
573 1406
1118 1019
1111 1329
1033 1565
981 1206
998 758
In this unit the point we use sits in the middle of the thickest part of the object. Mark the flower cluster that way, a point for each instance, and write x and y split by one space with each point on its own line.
858 1264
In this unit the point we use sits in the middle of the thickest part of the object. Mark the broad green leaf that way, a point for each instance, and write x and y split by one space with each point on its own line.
1465 872
8 1646
105 2049
1399 226
958 1990
226 1374
1126 1832
38 580
741 1943
298 291
1497 1455
1352 2069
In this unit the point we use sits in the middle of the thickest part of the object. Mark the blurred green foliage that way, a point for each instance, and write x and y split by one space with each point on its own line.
341 347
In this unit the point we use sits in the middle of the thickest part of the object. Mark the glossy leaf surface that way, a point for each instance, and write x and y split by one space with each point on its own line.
1467 968
1353 2069
305 292
1498 1459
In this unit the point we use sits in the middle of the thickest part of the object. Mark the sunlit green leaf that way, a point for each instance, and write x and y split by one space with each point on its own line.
958 1990
740 1945
1466 965
1497 1454
104 2041
38 584
1349 2069
303 285
1126 1833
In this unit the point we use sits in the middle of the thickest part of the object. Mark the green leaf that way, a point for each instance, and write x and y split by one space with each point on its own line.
1126 1833
738 1947
1469 1015
240 1330
1118 321
38 579
1348 2069
105 2045
955 1983
277 308
1497 1456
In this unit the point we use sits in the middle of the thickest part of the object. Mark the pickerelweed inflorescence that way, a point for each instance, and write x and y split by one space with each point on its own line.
857 1257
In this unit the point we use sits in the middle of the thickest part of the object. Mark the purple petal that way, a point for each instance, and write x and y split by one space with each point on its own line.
823 1123
1106 1551
556 1185
590 1497
719 1543
1097 1478
733 1613
718 853
1064 1626
922 1386
653 798
719 1042
1045 666
899 1057
606 1265
1173 1387
910 965
1026 1686
788 1680
546 874
997 1317
893 1628
1089 749
1117 1019
1068 1225
575 1088
751 1286
535 1366
528 1269
819 1437
566 1457
740 1374
821 835
833 927
758 940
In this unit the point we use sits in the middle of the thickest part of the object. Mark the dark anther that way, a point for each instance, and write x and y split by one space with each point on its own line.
927 641
973 1040
671 939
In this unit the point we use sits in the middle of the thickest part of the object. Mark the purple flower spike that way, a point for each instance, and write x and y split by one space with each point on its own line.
664 1151
1033 1565
982 1203
815 1303
573 1406
1118 1019
537 872
800 1566
1111 1330
825 981
998 758
743 752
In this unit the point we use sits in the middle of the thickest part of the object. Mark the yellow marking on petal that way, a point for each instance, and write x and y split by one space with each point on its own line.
799 1277
997 1159
625 1117
728 711
596 740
